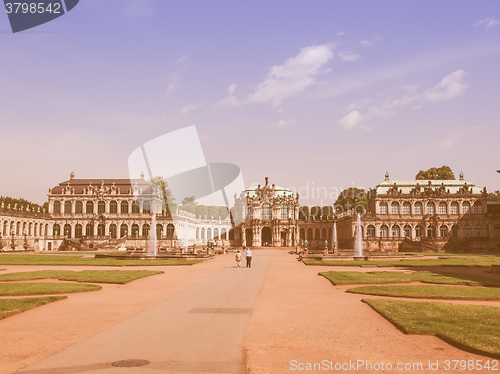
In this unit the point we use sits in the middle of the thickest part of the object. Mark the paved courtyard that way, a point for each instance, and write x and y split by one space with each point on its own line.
212 318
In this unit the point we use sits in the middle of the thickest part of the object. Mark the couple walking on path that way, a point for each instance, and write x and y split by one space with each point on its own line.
248 256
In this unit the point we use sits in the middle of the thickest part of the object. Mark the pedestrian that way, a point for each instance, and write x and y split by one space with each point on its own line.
238 258
248 256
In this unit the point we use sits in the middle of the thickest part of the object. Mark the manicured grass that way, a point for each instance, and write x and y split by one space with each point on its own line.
431 292
444 261
32 259
9 307
18 289
470 327
92 276
377 277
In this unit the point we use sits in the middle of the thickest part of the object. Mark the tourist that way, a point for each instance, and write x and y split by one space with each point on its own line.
248 255
238 258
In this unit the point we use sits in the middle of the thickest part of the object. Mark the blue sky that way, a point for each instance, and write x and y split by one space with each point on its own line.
310 93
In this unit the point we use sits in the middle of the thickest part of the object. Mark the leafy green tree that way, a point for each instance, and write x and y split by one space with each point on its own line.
351 198
327 211
189 204
223 212
168 200
201 210
316 212
304 213
442 173
494 196
22 203
212 211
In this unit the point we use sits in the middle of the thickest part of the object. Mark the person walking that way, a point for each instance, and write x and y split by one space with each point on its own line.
248 255
237 257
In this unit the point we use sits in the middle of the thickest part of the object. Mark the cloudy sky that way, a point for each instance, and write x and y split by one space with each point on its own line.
317 95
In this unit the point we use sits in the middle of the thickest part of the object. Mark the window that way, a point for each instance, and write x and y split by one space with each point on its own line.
406 208
67 230
384 231
477 208
316 234
89 207
159 231
309 234
67 207
371 231
407 230
113 207
112 231
431 208
171 229
396 231
146 206
383 208
454 208
78 207
419 209
56 231
216 233
100 230
394 208
284 212
202 233
223 234
135 230
443 208
302 234
418 232
123 230
478 231
101 207
466 207
266 211
135 208
466 231
78 231
124 207
145 230
431 232
455 231
209 233
57 207
89 230
323 233
443 231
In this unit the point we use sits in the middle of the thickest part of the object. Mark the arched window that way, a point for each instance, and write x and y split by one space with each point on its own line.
101 207
396 231
113 207
89 207
418 232
100 230
407 230
266 211
135 207
197 233
112 231
67 230
57 207
56 231
383 208
5 228
78 207
159 231
371 231
18 228
496 230
209 233
455 231
418 208
465 207
146 206
78 231
30 228
431 208
284 212
202 233
171 229
443 231
466 231
478 231
124 207
477 208
67 207
145 230
89 230
443 208
323 233
316 234
223 234
309 234
454 208
395 207
135 230
431 232
216 233
123 230
406 208
302 234
384 231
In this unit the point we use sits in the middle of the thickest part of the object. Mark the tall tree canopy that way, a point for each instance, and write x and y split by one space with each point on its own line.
442 173
351 198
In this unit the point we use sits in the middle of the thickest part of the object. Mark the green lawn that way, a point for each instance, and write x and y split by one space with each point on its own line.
92 276
18 289
377 277
444 261
9 307
45 259
470 327
431 292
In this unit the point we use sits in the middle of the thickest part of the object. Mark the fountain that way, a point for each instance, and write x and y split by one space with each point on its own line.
358 241
152 241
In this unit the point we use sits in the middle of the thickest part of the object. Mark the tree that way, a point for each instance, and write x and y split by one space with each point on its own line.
327 211
189 204
316 212
442 173
212 211
351 198
201 210
304 213
494 196
223 212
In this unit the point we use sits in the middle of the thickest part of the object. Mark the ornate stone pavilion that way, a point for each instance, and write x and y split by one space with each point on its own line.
98 213
424 215
269 217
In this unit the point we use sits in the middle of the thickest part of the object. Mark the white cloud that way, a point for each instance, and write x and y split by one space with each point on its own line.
450 86
173 84
230 99
188 108
348 57
487 23
294 76
447 143
282 123
351 120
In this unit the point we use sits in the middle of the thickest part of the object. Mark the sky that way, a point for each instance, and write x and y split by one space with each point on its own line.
317 95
